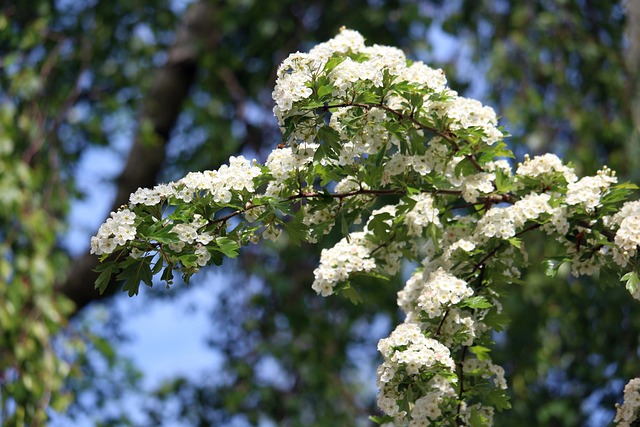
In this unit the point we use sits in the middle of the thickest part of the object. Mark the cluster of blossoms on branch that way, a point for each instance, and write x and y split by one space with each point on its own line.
413 175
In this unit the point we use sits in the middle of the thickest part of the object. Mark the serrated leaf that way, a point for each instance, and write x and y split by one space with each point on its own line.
329 139
145 273
552 266
133 271
106 271
515 242
228 247
476 419
503 181
167 275
497 321
632 281
325 90
188 260
498 399
351 294
478 302
131 286
381 419
379 224
627 186
333 62
482 353
296 231
157 267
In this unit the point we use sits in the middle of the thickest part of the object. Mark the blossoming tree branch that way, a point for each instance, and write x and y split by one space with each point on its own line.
412 174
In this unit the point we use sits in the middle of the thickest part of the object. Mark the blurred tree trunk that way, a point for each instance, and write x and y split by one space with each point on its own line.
632 57
159 112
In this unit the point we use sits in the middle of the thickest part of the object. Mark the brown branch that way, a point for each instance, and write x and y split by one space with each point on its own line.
441 324
461 391
161 108
309 195
480 264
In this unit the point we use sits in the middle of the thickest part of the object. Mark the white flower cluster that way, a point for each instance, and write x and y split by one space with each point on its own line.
363 67
407 352
285 163
337 263
476 184
467 113
485 368
588 190
441 289
627 236
460 324
425 410
558 222
543 165
236 176
627 413
401 163
371 137
297 72
294 78
503 222
366 126
116 231
421 215
188 233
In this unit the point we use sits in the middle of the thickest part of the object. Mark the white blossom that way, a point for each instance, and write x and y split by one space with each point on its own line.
117 230
628 412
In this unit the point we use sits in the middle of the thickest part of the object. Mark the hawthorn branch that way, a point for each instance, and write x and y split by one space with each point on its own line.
302 195
160 108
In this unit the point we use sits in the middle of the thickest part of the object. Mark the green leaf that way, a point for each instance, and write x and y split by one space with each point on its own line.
499 399
351 294
157 267
632 281
515 242
465 168
106 271
496 320
228 247
296 231
478 302
131 285
330 140
476 419
379 225
188 260
552 266
167 275
333 62
133 271
503 181
627 186
381 419
482 353
325 90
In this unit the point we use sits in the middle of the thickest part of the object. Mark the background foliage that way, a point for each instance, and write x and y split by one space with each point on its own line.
173 87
